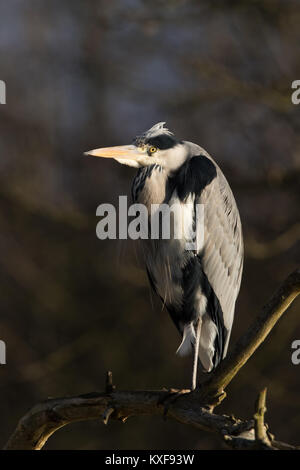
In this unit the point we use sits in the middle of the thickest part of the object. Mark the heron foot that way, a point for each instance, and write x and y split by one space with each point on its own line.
169 398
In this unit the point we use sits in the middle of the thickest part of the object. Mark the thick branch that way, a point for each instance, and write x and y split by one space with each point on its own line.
35 428
43 420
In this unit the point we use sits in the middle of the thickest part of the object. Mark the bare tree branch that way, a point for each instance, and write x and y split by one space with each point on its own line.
194 408
44 419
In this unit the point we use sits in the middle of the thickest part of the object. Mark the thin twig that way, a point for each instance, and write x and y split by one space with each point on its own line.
259 418
109 387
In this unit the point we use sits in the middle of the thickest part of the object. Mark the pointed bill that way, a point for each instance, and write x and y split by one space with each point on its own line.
129 152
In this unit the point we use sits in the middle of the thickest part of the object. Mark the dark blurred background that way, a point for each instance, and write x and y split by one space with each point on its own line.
81 75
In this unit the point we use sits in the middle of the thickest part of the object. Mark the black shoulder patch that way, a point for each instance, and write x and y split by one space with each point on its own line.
194 176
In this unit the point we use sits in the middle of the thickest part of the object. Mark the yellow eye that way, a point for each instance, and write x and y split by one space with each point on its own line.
152 149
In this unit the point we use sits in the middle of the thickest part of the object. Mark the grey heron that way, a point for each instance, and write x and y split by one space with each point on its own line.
198 287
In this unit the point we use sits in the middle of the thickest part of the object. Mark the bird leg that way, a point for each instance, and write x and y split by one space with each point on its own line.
196 353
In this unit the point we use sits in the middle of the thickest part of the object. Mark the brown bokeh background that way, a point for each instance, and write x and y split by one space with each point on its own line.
81 75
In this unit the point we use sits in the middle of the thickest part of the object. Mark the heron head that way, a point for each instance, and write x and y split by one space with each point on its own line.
156 146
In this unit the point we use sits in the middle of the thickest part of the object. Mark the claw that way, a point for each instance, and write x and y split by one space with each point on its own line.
169 398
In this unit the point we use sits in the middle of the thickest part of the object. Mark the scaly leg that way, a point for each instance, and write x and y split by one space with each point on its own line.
196 352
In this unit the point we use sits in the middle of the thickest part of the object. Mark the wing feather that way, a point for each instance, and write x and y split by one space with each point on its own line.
222 255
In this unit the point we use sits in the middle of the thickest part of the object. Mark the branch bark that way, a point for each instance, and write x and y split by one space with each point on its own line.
193 408
261 437
44 419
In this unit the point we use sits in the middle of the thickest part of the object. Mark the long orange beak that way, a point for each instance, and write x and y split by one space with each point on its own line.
124 151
